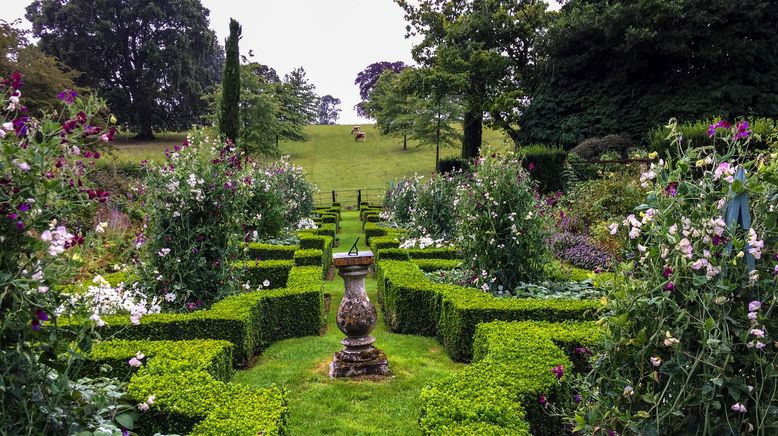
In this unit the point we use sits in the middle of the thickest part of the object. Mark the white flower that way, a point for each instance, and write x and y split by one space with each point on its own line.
150 399
163 252
143 407
685 247
757 333
24 166
655 361
139 355
642 248
101 227
266 283
634 232
613 228
670 340
43 289
8 126
170 297
699 264
628 390
673 229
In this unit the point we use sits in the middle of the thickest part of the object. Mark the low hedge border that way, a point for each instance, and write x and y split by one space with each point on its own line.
373 230
428 265
413 304
190 382
499 392
250 321
256 273
260 251
316 242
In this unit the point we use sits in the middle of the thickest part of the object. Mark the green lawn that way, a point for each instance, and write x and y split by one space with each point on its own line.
319 405
331 158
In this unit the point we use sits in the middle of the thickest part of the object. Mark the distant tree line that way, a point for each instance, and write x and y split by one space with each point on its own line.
153 62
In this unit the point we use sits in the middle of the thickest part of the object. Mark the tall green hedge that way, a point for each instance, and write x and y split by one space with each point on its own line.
545 165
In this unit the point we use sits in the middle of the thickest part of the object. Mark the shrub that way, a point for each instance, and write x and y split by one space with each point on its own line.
594 148
263 215
690 346
400 200
579 250
545 165
502 229
268 274
193 217
296 192
260 251
434 209
44 194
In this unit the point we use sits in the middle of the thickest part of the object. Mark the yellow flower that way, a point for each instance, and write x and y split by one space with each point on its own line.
700 163
112 119
653 155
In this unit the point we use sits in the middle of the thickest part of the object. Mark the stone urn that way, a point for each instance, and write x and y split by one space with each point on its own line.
356 318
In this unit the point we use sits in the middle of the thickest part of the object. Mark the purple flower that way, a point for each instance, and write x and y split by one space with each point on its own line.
24 207
542 400
742 130
20 225
577 398
41 315
68 96
35 325
583 350
667 272
754 306
16 80
20 125
672 189
559 371
670 286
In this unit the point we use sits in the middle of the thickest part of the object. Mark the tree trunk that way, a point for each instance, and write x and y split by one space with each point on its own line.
473 129
145 131
437 142
405 141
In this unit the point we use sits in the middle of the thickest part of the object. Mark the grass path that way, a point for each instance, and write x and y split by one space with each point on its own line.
320 406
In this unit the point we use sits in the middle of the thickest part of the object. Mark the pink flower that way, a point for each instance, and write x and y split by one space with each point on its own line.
757 332
752 316
135 362
685 247
143 407
738 407
754 306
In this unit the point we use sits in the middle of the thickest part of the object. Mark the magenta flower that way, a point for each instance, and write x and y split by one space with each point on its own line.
667 272
672 189
16 80
670 286
24 207
68 96
559 371
531 166
742 130
542 400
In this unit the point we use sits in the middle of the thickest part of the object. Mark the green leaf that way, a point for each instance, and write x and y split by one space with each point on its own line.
126 420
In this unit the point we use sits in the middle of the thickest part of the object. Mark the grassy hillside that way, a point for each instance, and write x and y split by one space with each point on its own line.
331 158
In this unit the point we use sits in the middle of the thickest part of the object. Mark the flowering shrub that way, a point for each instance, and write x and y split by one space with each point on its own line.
579 250
296 192
692 345
434 213
263 216
194 201
502 229
43 191
400 201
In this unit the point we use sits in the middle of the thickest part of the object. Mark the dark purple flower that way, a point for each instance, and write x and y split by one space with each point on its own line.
20 125
69 125
16 80
68 96
559 371
81 117
542 400
667 272
670 286
716 239
672 189
36 325
531 166
20 225
41 315
577 398
583 350
742 130
24 207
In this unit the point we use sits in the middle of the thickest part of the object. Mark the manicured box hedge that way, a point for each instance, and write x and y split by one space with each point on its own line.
250 321
308 257
326 229
412 304
316 242
499 392
260 251
428 265
256 273
189 380
373 230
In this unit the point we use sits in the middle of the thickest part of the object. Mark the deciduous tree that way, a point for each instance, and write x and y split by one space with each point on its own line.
152 61
329 112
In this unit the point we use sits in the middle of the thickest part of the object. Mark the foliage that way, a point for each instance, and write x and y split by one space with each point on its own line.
452 164
544 164
229 114
367 79
695 134
43 191
400 201
44 75
485 49
580 251
329 112
625 67
434 214
193 210
151 62
691 333
264 210
296 192
502 227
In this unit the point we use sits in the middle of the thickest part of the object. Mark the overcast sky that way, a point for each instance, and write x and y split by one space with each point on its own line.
333 40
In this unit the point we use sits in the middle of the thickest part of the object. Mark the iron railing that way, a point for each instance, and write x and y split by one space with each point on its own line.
349 198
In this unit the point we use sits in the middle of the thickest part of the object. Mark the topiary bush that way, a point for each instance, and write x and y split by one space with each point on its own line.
594 148
502 229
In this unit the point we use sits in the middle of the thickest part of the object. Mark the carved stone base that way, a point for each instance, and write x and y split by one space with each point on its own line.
366 363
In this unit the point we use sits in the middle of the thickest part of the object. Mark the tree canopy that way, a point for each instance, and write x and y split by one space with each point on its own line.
151 60
367 79
329 112
626 67
486 47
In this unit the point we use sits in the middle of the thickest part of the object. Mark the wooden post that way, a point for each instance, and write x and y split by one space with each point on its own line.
333 196
359 197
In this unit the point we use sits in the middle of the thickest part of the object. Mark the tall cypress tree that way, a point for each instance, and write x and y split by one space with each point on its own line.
229 121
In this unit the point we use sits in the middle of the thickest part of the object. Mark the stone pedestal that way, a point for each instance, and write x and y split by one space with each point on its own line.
356 318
